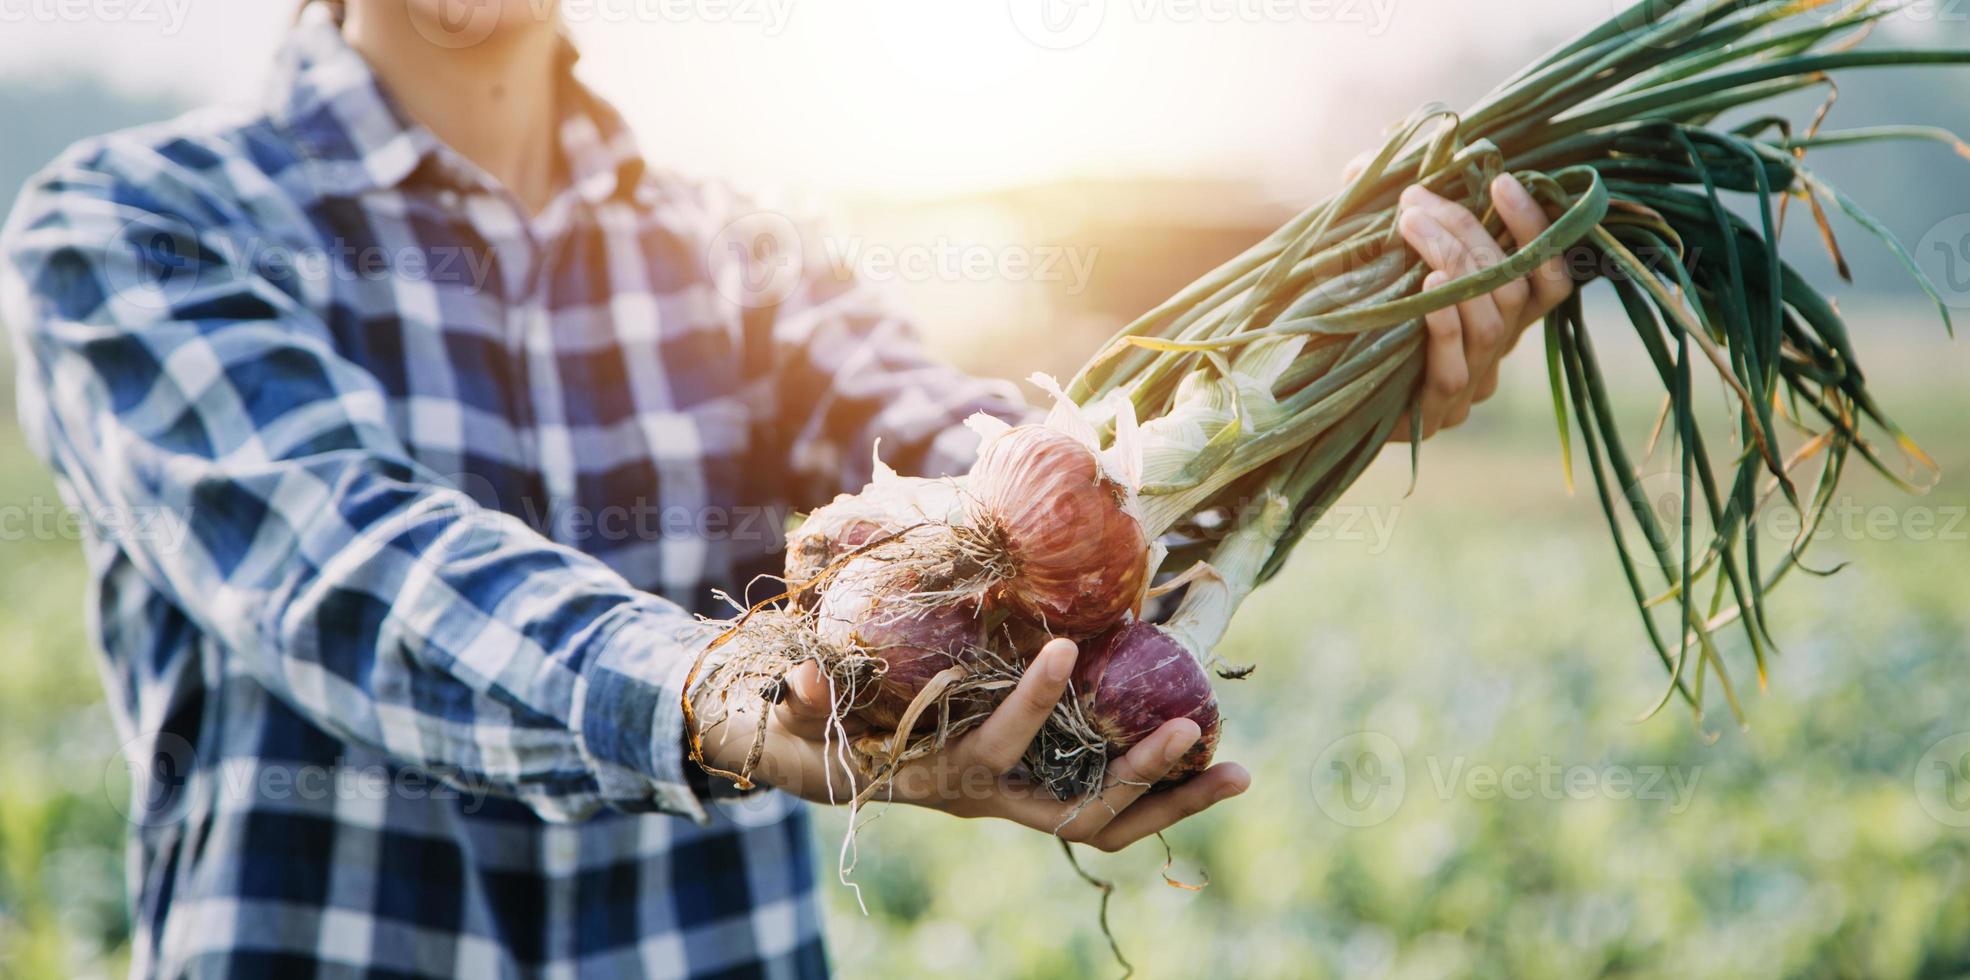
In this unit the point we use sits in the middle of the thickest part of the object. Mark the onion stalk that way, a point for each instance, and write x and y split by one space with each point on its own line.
1202 442
1283 372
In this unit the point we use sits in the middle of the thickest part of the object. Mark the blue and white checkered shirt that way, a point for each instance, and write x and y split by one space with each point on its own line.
399 501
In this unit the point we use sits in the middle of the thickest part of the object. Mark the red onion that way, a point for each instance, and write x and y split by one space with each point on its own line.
820 541
1134 678
865 608
1079 556
886 506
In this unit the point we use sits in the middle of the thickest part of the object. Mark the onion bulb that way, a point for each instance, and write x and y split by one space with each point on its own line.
1132 679
889 505
1079 557
865 608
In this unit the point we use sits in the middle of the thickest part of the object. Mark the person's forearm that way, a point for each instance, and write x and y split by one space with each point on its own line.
381 604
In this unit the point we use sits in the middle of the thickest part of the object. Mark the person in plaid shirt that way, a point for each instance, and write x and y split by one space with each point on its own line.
412 418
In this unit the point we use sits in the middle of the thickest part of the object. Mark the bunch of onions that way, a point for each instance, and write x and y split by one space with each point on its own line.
1198 447
945 586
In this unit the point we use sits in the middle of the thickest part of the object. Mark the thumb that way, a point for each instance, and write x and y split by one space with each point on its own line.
809 703
1355 167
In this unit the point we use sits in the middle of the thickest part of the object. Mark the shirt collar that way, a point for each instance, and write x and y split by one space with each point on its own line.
328 99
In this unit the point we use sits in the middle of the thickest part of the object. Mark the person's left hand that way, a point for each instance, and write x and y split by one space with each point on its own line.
1467 341
975 774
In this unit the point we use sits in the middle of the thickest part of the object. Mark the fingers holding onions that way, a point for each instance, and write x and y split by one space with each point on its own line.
920 594
1127 683
1134 678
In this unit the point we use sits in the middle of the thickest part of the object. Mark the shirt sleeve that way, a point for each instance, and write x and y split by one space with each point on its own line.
850 373
163 373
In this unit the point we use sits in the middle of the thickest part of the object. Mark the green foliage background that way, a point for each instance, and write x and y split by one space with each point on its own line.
1487 632
1487 629
1491 631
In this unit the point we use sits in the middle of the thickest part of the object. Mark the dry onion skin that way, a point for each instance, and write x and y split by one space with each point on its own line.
1135 678
865 608
1079 558
926 597
1127 683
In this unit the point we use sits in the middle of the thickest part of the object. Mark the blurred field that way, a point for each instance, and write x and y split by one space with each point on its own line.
1490 630
1479 630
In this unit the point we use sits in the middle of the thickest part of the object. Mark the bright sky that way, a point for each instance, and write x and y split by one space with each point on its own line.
929 95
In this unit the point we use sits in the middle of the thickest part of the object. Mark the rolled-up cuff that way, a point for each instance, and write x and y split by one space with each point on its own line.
631 728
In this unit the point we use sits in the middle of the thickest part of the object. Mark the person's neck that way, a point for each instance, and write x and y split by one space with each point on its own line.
492 101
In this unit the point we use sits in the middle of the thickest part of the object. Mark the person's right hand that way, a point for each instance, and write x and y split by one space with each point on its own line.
1467 341
974 776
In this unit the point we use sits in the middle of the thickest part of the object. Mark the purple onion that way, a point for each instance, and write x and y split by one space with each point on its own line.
1132 679
862 609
